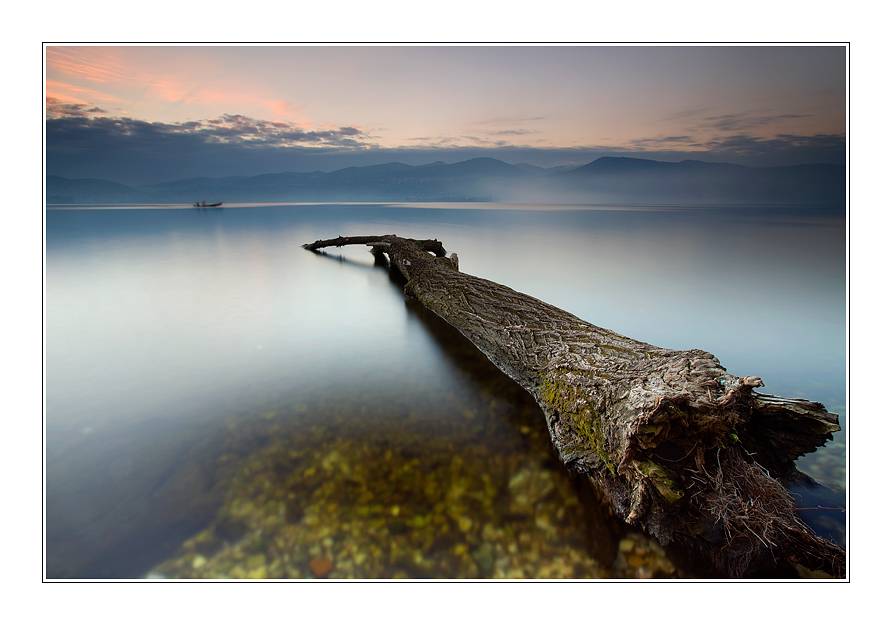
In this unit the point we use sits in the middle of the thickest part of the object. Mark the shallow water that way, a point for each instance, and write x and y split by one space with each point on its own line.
200 363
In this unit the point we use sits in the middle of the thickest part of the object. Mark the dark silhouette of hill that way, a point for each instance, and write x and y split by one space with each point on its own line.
626 180
608 180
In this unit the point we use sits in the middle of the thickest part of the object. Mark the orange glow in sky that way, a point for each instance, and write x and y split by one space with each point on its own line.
628 97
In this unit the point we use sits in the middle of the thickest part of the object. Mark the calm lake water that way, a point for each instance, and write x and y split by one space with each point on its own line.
222 402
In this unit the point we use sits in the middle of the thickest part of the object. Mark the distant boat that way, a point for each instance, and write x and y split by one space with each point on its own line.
205 205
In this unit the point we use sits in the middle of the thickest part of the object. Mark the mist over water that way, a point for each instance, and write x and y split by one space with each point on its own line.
169 330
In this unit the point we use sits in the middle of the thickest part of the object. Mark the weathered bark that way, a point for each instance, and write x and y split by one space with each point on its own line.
677 445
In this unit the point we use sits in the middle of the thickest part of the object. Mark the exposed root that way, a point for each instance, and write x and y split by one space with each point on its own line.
754 513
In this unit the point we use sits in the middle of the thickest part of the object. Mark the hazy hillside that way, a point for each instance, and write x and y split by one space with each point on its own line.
86 190
608 180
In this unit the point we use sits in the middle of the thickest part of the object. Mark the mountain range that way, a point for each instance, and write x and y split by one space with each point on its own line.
607 180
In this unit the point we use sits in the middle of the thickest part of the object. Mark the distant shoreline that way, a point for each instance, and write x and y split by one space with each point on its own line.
482 205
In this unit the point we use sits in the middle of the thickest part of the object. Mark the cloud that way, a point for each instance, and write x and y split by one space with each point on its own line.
742 121
683 114
56 109
513 132
69 123
662 142
283 109
744 149
491 140
831 147
507 120
82 142
96 65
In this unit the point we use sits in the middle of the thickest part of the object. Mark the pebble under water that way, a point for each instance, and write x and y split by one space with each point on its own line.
464 487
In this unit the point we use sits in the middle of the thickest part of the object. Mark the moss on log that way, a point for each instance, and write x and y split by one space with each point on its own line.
676 445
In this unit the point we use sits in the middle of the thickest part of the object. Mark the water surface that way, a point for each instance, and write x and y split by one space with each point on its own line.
199 358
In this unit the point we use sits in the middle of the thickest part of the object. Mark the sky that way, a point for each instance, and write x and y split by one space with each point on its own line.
146 114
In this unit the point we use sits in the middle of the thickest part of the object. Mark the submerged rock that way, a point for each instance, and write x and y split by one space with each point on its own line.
321 566
332 503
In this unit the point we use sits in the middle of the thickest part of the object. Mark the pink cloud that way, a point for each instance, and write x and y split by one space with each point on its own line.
288 112
83 95
84 63
282 109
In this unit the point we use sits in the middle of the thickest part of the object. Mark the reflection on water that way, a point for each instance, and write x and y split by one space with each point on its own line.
285 413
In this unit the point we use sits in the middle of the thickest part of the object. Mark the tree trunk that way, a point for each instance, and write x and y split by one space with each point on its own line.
677 445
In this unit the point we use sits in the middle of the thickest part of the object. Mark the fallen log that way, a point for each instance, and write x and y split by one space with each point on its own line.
674 443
